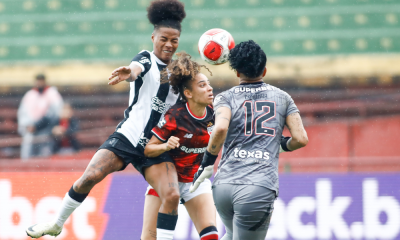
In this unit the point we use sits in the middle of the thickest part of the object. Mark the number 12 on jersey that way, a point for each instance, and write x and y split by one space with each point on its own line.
268 109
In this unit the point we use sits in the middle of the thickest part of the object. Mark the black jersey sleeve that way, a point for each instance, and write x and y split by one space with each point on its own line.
144 60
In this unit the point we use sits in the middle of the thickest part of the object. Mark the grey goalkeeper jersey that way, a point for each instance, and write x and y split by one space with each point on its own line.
251 149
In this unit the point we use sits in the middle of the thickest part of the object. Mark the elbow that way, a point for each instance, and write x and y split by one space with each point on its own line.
302 141
147 153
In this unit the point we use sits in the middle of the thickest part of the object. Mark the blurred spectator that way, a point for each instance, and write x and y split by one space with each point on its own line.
64 131
38 104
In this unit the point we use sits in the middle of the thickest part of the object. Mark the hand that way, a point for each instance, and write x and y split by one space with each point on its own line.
31 129
120 74
173 142
58 131
200 176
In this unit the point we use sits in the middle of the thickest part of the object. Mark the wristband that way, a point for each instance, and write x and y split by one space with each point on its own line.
208 159
284 143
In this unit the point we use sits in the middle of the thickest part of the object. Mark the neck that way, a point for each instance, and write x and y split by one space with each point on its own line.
196 108
250 80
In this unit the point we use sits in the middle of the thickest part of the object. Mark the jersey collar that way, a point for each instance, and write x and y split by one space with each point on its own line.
251 83
194 116
157 59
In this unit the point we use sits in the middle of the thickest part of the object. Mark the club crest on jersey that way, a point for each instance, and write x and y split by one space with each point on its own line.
210 127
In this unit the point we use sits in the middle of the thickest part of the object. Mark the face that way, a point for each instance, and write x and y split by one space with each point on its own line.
201 92
66 112
40 83
165 42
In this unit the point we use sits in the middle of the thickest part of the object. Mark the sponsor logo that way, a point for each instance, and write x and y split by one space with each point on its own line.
210 129
251 90
250 154
188 135
143 141
159 106
193 150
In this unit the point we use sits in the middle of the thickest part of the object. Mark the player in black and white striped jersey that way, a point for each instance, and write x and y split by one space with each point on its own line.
148 101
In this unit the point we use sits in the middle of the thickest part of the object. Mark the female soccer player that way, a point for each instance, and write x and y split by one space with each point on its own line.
249 121
184 133
126 145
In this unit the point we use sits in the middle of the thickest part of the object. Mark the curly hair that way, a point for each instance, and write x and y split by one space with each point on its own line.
181 72
166 13
248 58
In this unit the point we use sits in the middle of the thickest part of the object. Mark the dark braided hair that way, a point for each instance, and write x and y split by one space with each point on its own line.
181 72
248 58
166 13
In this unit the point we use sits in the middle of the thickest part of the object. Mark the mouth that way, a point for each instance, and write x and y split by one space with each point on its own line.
211 96
166 51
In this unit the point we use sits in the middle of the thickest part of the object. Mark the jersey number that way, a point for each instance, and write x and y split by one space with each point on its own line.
269 113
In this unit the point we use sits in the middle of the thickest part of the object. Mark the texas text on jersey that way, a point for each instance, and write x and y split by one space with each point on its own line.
193 133
140 118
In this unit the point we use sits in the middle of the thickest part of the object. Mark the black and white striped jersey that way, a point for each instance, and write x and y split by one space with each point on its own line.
148 100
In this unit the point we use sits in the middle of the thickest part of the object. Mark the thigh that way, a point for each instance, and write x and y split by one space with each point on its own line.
202 211
253 207
151 206
222 195
163 178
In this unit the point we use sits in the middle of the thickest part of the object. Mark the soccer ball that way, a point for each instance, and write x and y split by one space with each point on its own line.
214 46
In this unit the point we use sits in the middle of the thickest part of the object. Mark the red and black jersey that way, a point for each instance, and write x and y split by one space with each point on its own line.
193 133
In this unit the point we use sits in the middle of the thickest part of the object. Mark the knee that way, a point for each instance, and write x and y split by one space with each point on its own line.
171 197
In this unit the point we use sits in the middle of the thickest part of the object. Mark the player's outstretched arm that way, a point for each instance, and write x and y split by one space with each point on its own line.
217 139
128 73
299 137
155 147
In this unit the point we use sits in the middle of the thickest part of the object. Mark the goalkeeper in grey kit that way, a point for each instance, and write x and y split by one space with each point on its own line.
249 120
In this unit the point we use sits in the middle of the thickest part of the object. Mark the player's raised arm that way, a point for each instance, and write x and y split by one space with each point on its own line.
217 139
299 137
128 73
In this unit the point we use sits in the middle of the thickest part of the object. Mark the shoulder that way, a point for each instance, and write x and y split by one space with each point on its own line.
175 109
279 91
142 57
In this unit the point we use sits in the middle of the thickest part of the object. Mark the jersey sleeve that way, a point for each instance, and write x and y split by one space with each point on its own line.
292 108
143 60
221 100
165 128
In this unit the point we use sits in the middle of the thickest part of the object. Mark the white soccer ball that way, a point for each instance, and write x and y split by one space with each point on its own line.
214 46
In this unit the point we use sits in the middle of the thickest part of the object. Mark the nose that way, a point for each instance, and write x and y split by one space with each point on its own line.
168 44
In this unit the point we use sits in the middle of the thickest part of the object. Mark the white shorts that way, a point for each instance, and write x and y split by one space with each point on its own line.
205 187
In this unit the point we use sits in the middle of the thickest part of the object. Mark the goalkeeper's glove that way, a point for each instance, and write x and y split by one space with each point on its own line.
284 144
205 170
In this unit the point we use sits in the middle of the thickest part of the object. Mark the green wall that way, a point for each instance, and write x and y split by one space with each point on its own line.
115 30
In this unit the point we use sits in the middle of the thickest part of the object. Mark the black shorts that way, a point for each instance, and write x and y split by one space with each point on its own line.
123 148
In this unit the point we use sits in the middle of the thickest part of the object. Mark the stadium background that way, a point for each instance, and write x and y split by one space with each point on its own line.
339 59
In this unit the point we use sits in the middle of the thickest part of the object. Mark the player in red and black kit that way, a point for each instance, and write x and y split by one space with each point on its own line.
184 133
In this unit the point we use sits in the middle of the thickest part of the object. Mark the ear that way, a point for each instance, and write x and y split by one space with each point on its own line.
265 71
237 74
187 93
152 37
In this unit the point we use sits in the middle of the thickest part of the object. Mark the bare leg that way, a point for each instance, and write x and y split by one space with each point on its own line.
151 206
103 163
202 211
164 179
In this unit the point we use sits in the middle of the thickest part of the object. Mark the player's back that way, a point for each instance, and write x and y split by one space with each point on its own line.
251 149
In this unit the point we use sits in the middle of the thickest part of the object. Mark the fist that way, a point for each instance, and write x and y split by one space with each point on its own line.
173 142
